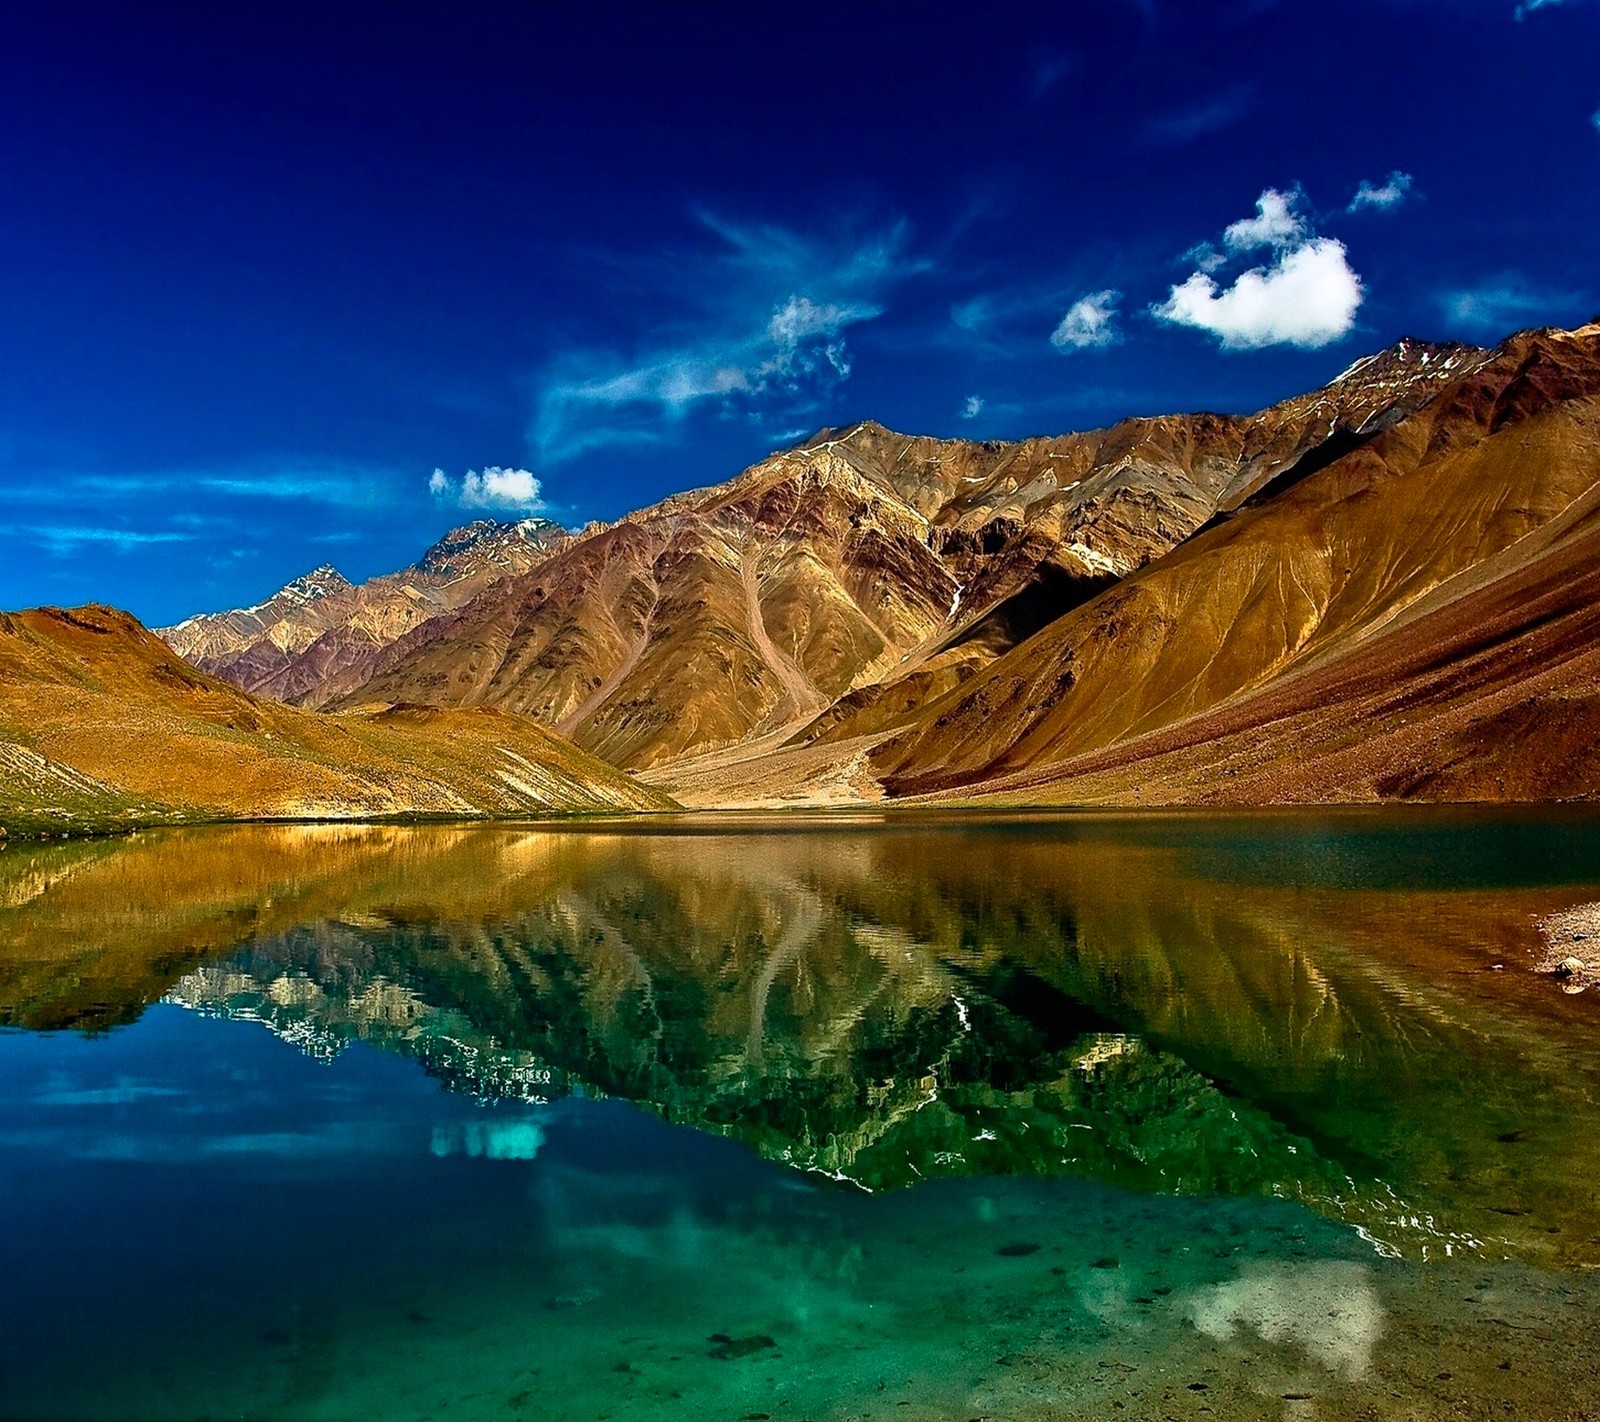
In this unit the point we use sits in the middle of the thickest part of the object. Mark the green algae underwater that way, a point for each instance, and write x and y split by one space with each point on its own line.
1181 1115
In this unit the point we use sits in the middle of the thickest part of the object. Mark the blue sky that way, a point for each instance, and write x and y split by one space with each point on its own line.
264 271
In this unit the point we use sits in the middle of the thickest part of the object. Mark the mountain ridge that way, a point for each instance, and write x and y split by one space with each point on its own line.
313 635
1381 589
840 563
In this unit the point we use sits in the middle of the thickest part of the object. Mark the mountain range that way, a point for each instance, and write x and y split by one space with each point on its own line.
1381 589
316 637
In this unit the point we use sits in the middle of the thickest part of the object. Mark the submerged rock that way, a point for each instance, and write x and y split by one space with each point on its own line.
727 1347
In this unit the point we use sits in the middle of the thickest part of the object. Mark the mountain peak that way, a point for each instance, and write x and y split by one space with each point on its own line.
1408 356
484 538
319 582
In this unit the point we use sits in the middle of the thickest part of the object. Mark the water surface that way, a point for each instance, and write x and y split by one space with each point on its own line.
1055 1116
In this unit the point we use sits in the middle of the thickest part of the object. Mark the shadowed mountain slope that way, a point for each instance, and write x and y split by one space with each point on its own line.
1416 619
102 726
862 565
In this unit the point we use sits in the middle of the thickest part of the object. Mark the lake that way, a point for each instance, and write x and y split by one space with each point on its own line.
946 1117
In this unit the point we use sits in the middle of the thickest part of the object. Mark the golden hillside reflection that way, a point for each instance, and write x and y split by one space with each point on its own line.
1333 1009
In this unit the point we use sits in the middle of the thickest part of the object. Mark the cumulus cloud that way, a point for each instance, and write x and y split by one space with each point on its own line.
973 407
1391 193
1306 295
1090 323
490 488
1277 223
759 330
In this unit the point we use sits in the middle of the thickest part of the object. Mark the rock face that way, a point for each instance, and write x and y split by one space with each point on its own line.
102 726
317 637
863 571
1418 619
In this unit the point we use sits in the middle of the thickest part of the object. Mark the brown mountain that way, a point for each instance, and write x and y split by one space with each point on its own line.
317 637
1420 618
102 726
879 568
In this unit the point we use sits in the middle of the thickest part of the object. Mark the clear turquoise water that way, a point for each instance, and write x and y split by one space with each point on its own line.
1065 1116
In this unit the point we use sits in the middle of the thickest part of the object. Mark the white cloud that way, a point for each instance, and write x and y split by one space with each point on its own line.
1306 296
492 488
1529 6
1090 323
759 329
800 317
1277 223
1390 193
973 408
1594 118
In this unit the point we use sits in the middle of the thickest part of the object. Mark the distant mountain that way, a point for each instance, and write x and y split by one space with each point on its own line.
863 565
103 727
314 638
1417 619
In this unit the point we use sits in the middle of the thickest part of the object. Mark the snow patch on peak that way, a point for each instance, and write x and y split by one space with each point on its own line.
319 582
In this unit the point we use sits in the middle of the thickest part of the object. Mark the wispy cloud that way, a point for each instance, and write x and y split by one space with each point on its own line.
989 321
973 407
760 329
1049 69
74 538
332 483
1179 127
1390 193
1090 323
1307 295
490 488
1501 303
1527 7
1005 323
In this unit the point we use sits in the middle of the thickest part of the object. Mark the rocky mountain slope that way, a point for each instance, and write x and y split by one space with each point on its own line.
1417 619
879 568
316 637
102 726
1382 589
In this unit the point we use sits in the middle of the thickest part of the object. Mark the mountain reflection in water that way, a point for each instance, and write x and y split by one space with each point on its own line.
1333 1009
